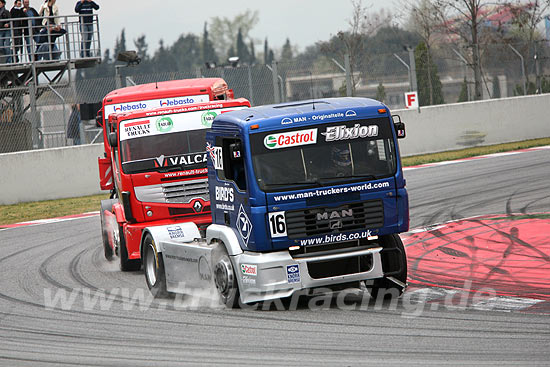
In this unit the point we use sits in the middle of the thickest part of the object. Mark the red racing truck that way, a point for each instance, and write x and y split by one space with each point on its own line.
158 158
174 93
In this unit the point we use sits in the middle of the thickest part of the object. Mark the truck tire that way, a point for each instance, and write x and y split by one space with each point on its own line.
125 263
153 267
385 286
106 205
225 278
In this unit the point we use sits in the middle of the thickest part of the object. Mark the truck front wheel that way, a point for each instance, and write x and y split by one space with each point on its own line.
225 279
153 267
394 284
125 263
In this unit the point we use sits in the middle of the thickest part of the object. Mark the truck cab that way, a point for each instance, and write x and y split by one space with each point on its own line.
304 195
160 176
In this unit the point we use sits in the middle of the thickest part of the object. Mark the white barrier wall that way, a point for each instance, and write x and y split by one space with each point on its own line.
463 125
72 171
49 174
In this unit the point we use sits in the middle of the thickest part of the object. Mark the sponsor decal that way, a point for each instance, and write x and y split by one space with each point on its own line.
291 139
248 280
244 226
251 270
164 124
175 232
184 160
170 102
335 238
327 116
224 206
138 128
192 172
293 273
216 155
333 191
334 133
126 107
225 194
207 118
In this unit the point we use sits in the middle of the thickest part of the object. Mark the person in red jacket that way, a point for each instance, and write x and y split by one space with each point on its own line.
86 8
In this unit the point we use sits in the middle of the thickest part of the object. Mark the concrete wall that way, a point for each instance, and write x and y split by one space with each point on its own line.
72 171
49 174
463 125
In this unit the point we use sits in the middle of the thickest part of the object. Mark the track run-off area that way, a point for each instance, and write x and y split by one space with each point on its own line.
479 290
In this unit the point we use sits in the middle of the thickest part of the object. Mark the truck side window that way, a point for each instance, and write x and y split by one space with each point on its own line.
233 162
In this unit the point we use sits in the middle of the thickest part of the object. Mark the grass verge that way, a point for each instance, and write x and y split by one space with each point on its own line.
57 208
49 209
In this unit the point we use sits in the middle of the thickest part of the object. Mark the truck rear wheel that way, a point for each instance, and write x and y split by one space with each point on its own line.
225 278
393 285
125 263
106 205
153 267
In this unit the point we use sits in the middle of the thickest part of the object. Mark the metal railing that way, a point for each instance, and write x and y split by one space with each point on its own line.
40 39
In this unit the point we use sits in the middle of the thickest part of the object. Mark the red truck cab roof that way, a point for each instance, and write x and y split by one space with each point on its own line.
183 87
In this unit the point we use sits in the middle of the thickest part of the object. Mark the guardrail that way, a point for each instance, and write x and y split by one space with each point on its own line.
42 39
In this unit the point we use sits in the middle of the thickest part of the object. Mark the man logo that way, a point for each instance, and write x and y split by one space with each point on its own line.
335 214
351 113
286 121
335 224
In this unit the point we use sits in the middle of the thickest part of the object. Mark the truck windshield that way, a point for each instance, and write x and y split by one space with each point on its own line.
324 155
165 142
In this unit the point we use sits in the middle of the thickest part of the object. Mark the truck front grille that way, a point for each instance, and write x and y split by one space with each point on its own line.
345 218
182 192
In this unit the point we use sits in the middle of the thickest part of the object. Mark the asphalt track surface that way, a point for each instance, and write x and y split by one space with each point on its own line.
38 262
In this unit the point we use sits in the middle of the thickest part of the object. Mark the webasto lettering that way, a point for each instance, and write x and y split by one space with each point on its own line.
130 107
344 133
176 102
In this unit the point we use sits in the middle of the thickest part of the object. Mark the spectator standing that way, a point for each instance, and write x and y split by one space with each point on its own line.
73 127
32 28
17 30
5 32
86 8
51 31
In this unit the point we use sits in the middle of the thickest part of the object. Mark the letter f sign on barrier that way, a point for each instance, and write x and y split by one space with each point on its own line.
411 100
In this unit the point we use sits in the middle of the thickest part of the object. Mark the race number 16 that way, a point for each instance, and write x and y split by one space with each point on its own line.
277 224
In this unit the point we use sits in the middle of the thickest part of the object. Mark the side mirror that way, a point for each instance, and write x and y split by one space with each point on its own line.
113 140
99 119
235 151
399 127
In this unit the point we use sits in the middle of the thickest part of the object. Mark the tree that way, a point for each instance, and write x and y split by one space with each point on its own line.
207 50
120 44
464 95
286 54
252 53
425 22
429 85
380 93
268 54
352 42
141 48
463 19
242 50
496 87
224 31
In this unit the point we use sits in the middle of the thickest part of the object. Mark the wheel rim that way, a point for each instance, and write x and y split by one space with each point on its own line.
151 266
223 277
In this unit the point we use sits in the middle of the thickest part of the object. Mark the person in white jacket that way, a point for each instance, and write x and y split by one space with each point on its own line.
51 31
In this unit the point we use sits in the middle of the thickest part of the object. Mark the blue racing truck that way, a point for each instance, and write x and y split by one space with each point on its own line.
304 195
